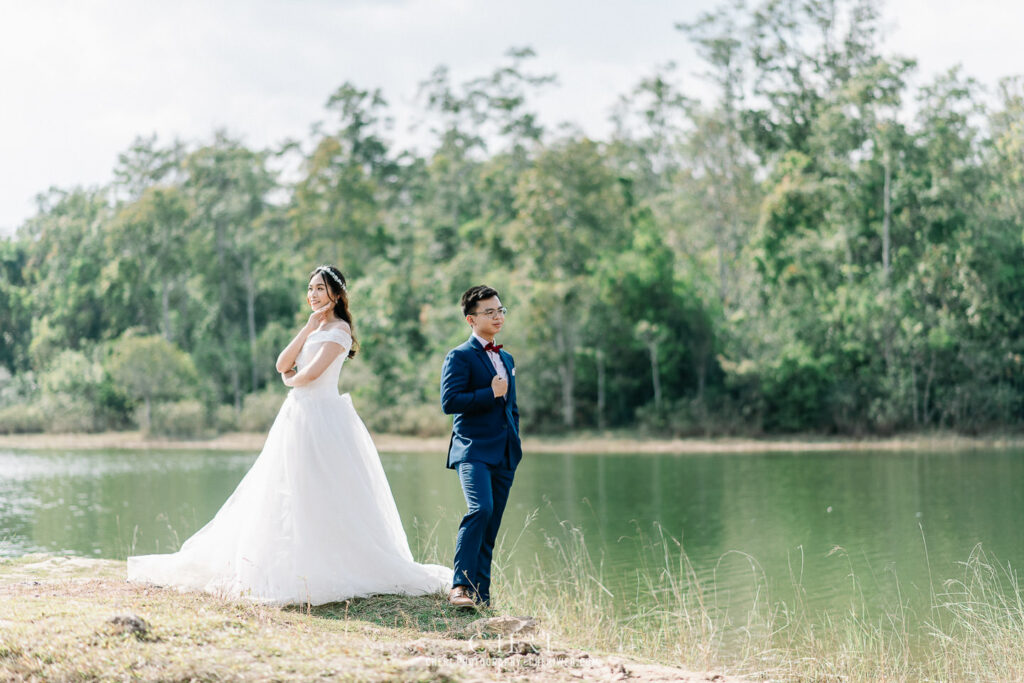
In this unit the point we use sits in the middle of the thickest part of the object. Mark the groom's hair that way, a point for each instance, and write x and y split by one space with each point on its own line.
476 294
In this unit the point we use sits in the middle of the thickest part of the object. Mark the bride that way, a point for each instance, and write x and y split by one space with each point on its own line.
313 521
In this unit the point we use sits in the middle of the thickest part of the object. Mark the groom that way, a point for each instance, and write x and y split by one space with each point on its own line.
478 387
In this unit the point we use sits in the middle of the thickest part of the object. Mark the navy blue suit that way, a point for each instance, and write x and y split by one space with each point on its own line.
485 450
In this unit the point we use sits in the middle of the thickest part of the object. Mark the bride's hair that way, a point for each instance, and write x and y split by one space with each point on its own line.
338 287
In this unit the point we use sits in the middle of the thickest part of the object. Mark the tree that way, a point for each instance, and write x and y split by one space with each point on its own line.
65 255
336 210
228 186
148 241
571 209
149 368
145 164
15 310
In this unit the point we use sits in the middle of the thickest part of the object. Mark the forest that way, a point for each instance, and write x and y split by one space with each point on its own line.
823 242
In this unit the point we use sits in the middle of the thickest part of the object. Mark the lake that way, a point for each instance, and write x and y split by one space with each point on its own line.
832 527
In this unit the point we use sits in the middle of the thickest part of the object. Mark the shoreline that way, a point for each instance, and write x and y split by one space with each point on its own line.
584 443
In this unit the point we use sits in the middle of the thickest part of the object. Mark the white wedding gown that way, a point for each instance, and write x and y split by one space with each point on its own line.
313 521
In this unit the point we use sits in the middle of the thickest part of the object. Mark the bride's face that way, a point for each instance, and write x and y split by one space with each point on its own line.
317 293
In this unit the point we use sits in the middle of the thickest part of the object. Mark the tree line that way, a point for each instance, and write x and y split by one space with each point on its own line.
818 245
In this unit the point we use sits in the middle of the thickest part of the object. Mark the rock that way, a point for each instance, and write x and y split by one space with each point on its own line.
523 647
618 670
418 647
501 626
130 623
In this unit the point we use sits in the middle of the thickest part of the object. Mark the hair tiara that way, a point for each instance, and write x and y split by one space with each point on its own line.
327 269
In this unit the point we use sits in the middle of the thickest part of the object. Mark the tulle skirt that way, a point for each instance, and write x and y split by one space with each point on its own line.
313 521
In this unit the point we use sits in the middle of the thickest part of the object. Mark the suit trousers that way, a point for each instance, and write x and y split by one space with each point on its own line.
486 490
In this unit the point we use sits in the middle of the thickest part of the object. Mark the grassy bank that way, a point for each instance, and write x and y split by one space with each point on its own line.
58 622
55 625
589 442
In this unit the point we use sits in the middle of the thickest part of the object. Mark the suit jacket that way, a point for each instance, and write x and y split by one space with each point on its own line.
484 425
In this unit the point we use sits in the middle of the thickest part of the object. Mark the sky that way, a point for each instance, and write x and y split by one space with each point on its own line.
80 79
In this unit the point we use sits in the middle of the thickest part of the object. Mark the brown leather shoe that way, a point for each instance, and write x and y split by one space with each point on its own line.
460 597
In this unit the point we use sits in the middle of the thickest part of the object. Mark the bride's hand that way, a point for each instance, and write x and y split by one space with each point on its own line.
317 317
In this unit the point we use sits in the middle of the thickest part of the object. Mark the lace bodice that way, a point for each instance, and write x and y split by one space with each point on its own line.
327 382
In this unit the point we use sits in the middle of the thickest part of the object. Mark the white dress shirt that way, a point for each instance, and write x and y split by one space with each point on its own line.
499 365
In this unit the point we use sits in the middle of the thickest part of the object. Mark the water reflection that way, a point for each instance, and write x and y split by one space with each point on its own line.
844 526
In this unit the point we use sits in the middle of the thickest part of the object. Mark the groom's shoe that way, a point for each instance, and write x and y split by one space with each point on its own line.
460 597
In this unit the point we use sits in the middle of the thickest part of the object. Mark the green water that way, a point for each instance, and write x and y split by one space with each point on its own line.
880 527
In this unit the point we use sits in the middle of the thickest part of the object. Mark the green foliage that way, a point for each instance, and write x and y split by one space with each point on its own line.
149 369
259 410
793 253
15 318
64 414
796 388
22 418
81 381
182 419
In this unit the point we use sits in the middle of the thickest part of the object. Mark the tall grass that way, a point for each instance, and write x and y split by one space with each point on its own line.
972 628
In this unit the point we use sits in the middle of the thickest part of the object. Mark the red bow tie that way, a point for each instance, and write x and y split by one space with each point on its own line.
491 346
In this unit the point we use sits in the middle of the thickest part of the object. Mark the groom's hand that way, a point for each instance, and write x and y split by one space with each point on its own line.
499 386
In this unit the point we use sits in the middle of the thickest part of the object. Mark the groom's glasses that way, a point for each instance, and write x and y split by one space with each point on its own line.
492 313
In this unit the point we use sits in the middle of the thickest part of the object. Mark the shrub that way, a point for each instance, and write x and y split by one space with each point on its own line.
796 388
21 418
150 369
225 419
259 410
68 414
83 393
59 414
16 389
423 419
715 416
185 419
